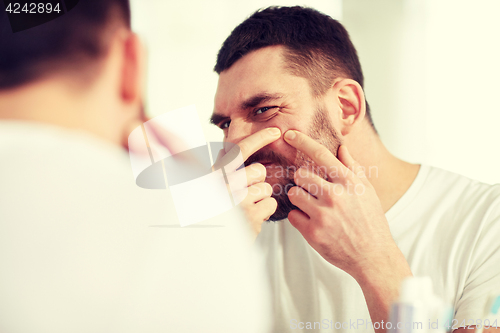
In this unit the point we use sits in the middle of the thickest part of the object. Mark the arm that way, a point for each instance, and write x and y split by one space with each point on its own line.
348 229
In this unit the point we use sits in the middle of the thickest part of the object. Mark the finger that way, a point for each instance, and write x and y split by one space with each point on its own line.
302 199
258 140
265 208
255 173
252 174
258 192
247 147
317 152
248 196
310 182
299 220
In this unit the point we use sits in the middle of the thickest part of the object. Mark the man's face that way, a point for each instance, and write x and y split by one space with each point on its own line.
257 92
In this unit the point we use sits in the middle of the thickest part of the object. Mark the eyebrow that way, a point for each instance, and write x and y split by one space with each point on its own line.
259 99
216 119
249 103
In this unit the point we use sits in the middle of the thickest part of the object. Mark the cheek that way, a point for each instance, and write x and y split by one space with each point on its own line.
281 146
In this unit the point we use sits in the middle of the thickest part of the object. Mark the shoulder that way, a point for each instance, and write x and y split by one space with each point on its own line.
55 173
450 204
462 193
467 209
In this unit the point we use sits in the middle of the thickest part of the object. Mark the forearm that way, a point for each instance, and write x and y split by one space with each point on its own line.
380 283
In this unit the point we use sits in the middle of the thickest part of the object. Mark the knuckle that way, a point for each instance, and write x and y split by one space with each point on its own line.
329 199
321 217
314 234
253 191
265 189
246 202
258 190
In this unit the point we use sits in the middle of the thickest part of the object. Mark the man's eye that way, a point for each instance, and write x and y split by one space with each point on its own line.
225 124
262 110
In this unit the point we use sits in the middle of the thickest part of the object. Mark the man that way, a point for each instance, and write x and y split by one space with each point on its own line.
359 220
82 248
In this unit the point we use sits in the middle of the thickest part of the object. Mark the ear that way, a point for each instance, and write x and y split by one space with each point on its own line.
133 71
351 99
132 84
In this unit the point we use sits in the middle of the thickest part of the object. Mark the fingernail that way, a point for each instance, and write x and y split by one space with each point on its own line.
274 131
290 135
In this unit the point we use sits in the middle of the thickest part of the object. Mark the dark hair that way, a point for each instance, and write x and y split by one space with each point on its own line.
70 41
317 47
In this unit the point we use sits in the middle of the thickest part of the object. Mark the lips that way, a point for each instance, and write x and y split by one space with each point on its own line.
266 164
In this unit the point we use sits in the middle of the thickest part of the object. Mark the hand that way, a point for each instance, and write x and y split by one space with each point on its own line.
249 183
342 219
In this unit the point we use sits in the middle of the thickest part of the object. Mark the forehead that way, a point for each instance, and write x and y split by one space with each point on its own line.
259 72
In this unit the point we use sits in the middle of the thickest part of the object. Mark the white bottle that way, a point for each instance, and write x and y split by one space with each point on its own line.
418 309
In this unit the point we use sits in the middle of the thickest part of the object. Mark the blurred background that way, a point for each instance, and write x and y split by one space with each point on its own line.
431 69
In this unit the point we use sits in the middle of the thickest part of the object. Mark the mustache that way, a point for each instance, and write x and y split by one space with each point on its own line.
267 156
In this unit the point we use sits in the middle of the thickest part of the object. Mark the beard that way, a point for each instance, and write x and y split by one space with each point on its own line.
323 132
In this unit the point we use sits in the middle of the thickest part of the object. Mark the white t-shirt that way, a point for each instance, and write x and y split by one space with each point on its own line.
83 249
446 225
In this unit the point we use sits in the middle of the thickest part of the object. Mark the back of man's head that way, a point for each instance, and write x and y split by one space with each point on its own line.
72 42
81 71
317 47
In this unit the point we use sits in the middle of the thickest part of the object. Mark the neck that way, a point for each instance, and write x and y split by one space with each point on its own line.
390 176
54 101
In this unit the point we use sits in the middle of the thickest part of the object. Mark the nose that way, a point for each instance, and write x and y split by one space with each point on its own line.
239 130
